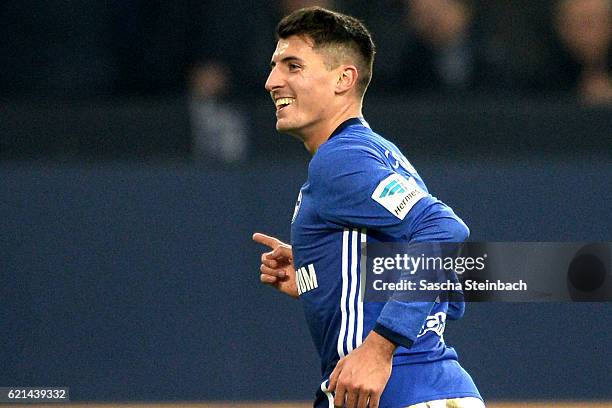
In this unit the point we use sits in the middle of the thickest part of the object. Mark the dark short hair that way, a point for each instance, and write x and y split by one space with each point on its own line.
329 28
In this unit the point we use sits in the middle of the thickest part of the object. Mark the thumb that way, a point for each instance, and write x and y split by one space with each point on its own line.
280 252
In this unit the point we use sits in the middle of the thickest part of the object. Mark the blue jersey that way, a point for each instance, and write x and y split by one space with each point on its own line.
361 189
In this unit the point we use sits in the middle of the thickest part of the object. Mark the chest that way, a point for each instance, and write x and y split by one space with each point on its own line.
307 227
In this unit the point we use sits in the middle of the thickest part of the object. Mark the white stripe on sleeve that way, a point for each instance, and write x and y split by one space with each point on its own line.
342 333
362 269
353 291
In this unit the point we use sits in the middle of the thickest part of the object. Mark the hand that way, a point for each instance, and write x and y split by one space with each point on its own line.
277 267
363 374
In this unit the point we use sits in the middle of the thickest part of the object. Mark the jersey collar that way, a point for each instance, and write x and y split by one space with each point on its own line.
347 123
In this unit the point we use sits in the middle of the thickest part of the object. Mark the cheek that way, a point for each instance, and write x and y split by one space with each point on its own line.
324 88
314 91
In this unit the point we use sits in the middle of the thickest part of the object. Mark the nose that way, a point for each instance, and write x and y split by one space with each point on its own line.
275 80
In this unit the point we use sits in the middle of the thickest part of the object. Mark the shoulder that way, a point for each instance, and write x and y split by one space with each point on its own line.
356 152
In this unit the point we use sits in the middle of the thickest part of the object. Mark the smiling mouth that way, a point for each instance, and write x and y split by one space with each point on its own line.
282 103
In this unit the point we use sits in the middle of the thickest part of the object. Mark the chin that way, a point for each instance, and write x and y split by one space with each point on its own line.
283 126
288 130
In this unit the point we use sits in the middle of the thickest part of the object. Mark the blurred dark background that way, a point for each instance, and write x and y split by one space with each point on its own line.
138 154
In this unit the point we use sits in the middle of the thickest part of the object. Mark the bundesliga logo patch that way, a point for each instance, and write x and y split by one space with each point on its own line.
398 195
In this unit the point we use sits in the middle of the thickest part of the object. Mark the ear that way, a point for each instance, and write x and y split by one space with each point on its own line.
347 78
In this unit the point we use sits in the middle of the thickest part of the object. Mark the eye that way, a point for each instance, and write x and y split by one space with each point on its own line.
293 67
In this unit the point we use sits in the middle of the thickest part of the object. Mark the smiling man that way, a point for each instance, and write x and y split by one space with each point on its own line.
317 86
360 189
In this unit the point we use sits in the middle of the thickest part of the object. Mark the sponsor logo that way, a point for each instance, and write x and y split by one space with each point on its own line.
306 279
398 194
392 188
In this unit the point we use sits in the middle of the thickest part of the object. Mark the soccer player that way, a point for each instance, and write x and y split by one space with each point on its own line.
372 353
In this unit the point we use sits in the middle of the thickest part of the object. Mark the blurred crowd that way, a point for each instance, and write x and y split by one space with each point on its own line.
216 51
127 47
441 46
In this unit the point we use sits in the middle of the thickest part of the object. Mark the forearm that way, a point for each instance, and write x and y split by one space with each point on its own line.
383 345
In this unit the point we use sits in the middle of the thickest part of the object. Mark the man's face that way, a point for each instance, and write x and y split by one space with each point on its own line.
301 85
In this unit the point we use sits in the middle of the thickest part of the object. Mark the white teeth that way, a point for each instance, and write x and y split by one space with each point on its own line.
284 101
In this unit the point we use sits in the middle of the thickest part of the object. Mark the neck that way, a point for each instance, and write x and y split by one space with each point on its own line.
319 134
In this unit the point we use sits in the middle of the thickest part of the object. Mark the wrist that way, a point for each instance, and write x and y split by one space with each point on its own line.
381 344
393 337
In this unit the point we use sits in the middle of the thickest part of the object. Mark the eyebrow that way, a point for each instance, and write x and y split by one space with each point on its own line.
285 60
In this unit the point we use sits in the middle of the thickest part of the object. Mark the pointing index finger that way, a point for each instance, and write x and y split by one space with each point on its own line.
266 240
